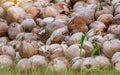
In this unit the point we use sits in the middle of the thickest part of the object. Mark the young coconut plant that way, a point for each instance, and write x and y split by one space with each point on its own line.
102 10
95 49
81 44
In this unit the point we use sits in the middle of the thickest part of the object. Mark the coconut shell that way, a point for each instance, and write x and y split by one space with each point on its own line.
110 47
24 65
38 62
73 51
98 25
89 63
105 10
28 25
26 36
117 67
6 61
77 25
33 11
14 29
7 50
3 28
116 19
57 65
106 19
50 12
116 58
14 13
28 49
103 61
75 38
77 65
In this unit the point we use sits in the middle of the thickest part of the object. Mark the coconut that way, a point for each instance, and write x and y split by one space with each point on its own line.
75 38
38 62
51 27
45 21
106 19
7 50
109 37
77 24
98 38
6 61
117 67
93 32
33 11
57 65
50 12
57 33
110 47
73 51
28 49
24 65
3 27
103 61
76 63
26 36
116 31
105 10
7 4
98 25
25 4
116 58
116 19
89 63
14 13
14 29
88 47
28 24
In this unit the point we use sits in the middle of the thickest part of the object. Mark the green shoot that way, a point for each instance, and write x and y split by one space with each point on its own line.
100 5
54 1
95 49
81 44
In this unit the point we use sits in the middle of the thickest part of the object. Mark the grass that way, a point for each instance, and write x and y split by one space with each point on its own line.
106 71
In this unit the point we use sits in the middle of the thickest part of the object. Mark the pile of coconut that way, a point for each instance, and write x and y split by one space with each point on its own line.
38 34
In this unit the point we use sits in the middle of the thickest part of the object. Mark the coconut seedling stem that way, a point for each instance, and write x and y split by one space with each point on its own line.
100 5
54 1
81 44
95 49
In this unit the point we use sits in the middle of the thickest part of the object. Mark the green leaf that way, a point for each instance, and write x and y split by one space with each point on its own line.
81 44
95 49
82 40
